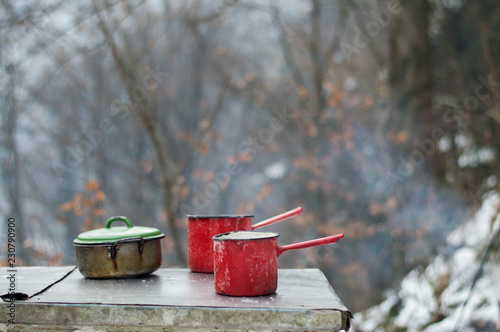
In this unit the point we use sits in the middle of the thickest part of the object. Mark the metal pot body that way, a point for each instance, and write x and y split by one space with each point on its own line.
121 259
246 267
201 229
246 263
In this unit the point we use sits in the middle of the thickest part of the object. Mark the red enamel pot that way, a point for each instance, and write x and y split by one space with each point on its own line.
246 263
201 229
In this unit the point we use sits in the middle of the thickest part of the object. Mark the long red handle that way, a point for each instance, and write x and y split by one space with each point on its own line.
311 243
283 216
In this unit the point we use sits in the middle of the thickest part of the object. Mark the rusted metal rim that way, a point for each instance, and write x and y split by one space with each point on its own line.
245 236
122 241
213 216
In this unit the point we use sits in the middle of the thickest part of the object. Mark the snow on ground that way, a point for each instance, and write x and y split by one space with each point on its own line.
432 299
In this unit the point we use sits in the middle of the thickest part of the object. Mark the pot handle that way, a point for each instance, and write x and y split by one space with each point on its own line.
113 249
122 218
283 216
311 243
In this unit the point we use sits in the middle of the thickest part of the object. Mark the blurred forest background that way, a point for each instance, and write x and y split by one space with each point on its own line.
379 118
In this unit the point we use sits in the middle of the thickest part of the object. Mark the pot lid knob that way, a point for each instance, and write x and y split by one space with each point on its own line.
122 218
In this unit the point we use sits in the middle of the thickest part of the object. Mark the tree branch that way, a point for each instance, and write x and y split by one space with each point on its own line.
213 15
146 116
286 49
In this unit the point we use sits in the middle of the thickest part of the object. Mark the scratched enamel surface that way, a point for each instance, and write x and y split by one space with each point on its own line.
247 267
200 243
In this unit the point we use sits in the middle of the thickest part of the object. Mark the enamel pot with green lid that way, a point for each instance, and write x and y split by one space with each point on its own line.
119 251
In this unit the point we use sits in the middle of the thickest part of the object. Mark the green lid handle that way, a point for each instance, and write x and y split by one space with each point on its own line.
112 219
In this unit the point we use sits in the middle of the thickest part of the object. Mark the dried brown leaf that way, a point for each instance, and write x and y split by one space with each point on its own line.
92 185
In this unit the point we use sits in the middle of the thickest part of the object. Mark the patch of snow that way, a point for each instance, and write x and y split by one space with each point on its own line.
475 231
476 156
418 303
350 84
244 235
461 141
444 144
433 299
276 170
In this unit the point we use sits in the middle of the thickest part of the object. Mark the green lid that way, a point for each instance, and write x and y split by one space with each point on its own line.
109 235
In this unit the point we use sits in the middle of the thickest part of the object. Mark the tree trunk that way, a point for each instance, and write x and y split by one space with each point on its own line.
411 83
12 167
411 70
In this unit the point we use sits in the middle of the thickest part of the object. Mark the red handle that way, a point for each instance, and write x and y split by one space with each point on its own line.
283 216
310 243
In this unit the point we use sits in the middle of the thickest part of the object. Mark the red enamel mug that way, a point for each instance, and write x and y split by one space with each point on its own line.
201 229
246 263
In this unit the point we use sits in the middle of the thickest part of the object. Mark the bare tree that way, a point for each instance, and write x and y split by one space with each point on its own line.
147 110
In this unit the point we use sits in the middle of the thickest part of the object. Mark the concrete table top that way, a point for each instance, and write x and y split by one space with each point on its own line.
168 300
